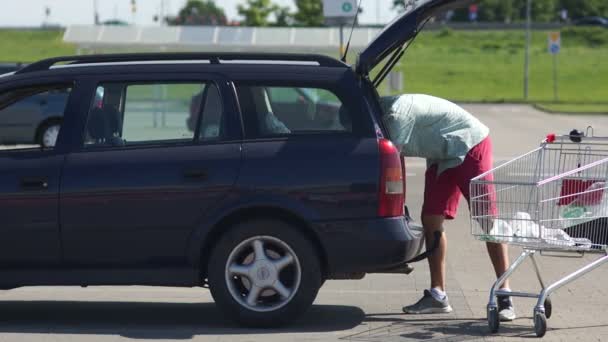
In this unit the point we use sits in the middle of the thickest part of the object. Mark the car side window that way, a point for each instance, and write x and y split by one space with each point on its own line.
133 114
292 110
31 117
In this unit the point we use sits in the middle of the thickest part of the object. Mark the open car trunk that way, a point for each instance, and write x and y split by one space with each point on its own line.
395 36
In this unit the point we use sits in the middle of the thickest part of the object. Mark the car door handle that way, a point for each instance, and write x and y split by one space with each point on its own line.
34 183
195 174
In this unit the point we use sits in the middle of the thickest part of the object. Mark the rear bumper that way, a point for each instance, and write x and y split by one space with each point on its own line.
367 246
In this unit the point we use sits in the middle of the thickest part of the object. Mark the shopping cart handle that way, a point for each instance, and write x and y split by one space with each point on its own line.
576 136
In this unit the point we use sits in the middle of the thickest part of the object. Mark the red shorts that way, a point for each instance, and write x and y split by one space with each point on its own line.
442 193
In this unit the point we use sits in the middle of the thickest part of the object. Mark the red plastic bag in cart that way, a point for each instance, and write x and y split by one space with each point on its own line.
583 192
582 201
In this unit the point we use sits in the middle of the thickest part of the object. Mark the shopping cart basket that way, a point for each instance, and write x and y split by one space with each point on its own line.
553 198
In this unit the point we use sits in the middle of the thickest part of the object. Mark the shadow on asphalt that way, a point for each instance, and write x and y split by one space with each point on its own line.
154 320
405 328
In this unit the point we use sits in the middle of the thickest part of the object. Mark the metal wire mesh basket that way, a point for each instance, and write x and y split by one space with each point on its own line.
553 197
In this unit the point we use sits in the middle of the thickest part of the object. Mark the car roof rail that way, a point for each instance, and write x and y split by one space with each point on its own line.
214 58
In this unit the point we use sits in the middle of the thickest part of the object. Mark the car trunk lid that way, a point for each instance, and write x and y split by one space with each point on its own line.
401 30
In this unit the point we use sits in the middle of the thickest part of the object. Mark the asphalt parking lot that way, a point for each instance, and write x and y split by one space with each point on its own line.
365 310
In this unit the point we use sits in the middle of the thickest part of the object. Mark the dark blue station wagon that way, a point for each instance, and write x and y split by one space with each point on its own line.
213 170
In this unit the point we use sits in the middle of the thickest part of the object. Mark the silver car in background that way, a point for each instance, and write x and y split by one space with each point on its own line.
35 119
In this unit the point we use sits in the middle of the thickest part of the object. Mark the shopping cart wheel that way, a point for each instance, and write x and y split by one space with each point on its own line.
548 307
540 324
493 321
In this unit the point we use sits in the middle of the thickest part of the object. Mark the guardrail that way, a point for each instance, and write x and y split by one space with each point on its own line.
231 38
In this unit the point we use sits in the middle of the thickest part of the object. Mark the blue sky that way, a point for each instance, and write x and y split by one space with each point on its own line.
66 12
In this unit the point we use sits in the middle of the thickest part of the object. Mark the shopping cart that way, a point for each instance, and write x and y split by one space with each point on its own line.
551 199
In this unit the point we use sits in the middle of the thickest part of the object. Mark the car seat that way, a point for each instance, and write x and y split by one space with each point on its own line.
103 125
267 121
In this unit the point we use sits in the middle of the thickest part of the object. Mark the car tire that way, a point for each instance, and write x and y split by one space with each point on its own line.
44 129
256 286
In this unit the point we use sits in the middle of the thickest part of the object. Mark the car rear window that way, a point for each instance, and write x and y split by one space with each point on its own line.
270 111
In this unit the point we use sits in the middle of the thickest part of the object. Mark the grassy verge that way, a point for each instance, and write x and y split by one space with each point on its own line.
488 66
29 46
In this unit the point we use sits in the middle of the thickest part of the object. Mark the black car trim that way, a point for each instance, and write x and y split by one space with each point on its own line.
100 148
302 135
26 92
46 64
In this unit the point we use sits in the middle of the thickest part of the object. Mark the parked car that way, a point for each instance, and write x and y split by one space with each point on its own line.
592 21
34 119
260 210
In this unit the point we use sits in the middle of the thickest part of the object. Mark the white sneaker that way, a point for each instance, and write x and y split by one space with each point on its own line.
506 311
428 305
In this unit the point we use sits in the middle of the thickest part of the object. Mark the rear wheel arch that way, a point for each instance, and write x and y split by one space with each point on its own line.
260 213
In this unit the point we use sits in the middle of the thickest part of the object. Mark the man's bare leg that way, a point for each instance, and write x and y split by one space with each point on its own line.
435 299
499 255
431 224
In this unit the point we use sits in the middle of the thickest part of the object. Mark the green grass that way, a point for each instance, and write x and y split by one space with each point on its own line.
488 66
574 108
458 65
29 46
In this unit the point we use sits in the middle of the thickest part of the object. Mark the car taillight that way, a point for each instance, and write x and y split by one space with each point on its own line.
391 197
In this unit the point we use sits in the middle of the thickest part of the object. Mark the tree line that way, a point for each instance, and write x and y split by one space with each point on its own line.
310 12
515 10
253 12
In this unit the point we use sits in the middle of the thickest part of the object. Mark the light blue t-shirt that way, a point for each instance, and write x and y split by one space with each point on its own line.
432 128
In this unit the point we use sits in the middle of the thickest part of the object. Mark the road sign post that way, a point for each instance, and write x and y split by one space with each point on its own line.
555 77
555 45
395 79
527 52
341 40
340 13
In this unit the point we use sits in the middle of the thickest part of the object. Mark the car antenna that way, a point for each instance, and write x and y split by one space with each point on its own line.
351 32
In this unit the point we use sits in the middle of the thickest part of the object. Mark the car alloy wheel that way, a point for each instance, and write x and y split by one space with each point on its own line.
263 273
